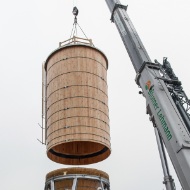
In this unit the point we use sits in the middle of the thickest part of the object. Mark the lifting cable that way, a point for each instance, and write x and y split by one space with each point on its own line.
74 3
75 24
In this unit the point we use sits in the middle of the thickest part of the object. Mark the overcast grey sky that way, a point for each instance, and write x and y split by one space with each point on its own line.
31 30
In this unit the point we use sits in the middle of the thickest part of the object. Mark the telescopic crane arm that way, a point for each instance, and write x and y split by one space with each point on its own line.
131 40
164 96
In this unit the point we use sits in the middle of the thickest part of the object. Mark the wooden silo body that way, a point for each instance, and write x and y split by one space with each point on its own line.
77 178
77 120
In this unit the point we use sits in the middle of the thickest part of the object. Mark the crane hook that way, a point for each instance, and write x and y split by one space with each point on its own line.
75 11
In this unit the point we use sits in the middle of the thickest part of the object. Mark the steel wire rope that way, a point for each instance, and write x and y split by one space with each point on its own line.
72 97
73 126
71 134
82 57
74 29
74 3
77 86
77 107
77 139
75 24
77 71
75 116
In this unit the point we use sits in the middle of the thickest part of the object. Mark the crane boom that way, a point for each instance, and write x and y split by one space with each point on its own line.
160 90
131 40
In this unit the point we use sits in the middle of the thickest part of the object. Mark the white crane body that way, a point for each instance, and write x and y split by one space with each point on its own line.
172 125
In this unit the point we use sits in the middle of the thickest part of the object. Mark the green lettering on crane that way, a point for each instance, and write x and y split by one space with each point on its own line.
160 115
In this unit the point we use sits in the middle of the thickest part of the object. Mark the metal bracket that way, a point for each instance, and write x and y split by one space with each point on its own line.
169 81
52 184
115 8
75 178
74 183
42 141
151 118
183 147
138 75
149 65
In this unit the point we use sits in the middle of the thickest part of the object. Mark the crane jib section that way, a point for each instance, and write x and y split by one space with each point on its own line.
129 35
167 119
162 103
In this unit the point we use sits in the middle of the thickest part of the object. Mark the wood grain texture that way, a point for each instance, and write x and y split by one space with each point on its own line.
77 170
83 183
77 114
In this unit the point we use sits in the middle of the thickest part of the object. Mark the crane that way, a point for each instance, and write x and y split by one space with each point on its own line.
166 102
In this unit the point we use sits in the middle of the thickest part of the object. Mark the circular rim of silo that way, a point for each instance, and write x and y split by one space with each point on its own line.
76 175
71 45
77 170
65 158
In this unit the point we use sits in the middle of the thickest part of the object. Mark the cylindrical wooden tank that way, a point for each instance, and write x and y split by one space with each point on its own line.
77 121
78 179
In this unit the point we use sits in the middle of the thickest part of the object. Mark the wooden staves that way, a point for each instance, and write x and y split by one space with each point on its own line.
77 119
87 178
77 170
